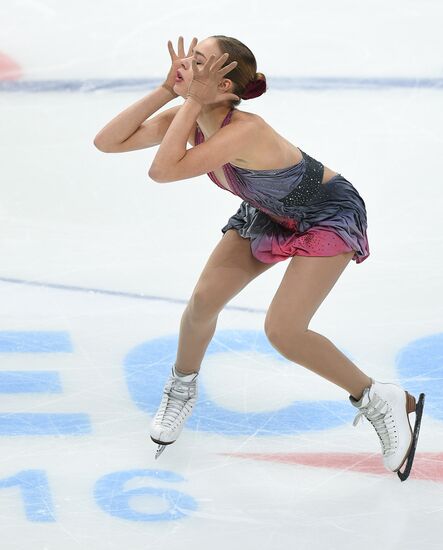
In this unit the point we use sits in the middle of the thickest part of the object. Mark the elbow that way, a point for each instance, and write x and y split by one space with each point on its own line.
99 146
103 146
156 176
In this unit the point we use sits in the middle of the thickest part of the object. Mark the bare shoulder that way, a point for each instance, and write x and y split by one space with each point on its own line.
268 150
264 149
252 119
238 117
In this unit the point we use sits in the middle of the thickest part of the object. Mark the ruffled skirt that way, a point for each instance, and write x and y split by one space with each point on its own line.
340 226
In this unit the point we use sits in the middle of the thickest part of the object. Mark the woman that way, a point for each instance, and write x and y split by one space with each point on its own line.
293 207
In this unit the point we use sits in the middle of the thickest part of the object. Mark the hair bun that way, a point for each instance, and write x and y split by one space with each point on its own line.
255 88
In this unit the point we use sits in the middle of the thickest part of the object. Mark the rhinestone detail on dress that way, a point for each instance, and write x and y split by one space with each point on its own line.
310 189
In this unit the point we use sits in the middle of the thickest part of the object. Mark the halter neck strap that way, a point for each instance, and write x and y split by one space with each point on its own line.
227 118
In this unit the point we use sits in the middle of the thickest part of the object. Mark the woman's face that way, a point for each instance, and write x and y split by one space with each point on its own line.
201 53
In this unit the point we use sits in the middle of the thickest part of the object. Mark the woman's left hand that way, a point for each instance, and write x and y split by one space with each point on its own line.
205 81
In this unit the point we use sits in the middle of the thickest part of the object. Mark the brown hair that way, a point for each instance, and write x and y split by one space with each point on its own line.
245 78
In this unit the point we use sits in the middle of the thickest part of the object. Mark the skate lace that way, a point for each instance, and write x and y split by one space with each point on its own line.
383 423
176 401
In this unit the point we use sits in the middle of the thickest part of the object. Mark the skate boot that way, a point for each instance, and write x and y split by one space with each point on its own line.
387 407
179 397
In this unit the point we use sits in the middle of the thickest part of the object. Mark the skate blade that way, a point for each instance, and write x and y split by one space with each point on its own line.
161 446
160 449
410 459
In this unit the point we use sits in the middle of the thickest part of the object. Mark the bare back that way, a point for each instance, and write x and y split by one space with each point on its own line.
270 151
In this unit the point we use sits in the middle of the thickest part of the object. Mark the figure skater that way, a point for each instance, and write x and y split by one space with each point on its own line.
293 207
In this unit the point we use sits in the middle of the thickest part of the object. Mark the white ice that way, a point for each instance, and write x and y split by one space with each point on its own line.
94 251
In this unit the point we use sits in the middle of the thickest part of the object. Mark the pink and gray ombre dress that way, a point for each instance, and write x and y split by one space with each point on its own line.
289 212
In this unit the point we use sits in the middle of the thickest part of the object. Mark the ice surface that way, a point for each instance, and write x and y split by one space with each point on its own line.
98 263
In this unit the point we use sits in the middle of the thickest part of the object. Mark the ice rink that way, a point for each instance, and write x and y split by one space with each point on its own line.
98 262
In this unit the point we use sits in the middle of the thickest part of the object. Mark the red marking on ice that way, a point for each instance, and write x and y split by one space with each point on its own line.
9 69
427 466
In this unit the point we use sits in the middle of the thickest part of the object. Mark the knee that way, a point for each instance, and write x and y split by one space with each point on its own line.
277 336
203 305
284 337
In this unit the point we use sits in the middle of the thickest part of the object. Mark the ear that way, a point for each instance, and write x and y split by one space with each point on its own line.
227 85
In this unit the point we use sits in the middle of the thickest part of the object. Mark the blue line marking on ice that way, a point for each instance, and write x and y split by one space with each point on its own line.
30 382
277 83
19 341
118 293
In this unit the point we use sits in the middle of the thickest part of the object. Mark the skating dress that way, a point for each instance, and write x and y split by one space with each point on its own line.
289 212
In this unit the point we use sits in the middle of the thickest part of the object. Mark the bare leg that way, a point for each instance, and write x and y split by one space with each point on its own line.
230 267
306 283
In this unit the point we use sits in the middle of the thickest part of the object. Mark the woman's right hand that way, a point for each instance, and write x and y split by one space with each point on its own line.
176 61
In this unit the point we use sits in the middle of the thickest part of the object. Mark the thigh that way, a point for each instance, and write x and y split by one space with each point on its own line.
305 284
230 267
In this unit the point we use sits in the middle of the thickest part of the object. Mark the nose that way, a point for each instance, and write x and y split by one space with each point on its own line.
186 61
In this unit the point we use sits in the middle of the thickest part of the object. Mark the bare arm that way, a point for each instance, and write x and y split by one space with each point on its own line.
174 162
173 147
126 131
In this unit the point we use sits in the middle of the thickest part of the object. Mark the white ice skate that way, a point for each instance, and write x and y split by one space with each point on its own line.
179 396
387 407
